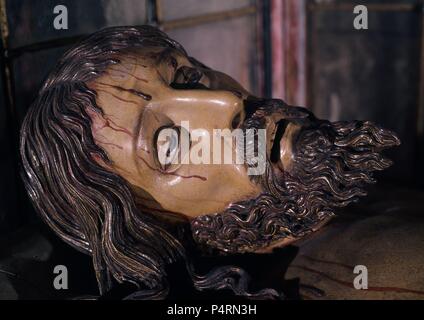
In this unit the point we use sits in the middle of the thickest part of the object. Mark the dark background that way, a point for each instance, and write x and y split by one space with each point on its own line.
375 74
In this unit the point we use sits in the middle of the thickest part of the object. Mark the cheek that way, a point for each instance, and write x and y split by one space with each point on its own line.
208 189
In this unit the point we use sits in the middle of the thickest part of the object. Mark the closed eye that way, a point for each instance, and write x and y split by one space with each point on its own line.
167 146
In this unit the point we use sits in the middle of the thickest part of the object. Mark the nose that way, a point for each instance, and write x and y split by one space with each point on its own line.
215 109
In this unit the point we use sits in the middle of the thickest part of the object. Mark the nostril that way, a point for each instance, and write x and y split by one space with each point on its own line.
236 121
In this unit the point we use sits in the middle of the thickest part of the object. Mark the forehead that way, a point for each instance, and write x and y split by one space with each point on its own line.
143 66
138 76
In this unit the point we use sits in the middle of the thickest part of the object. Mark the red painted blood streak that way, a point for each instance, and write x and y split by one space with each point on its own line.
108 123
350 284
137 93
116 97
172 173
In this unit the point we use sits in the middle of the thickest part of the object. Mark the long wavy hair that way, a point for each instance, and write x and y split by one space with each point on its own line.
89 207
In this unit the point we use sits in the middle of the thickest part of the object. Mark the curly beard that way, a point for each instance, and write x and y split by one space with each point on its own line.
332 164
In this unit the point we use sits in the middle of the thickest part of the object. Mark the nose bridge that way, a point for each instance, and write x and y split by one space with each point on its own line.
204 108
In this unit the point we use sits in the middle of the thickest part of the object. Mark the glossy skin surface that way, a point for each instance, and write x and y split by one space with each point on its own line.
153 88
90 148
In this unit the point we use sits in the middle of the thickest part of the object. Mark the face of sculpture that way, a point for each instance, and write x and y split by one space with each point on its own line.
153 89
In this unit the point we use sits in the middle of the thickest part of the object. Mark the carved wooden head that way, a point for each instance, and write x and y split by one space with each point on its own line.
129 150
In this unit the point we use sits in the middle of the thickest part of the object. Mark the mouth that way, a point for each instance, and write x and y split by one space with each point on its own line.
281 152
278 134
